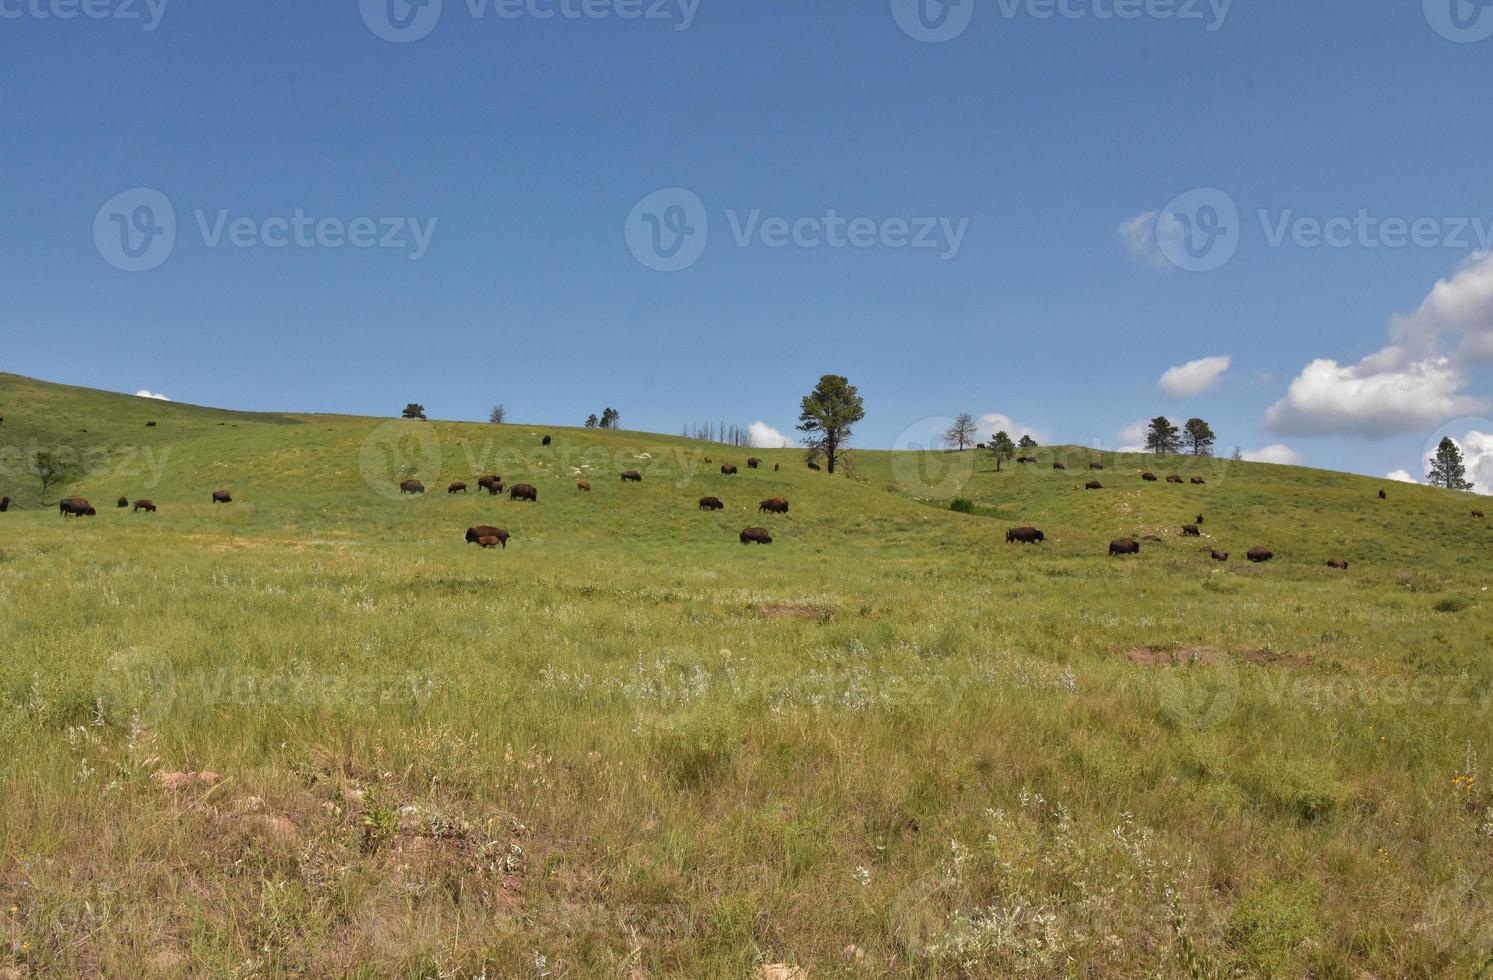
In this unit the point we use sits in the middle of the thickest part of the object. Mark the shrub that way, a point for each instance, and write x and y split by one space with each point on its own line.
962 505
1453 604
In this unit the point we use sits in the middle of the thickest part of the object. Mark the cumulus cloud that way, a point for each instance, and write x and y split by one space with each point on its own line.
1138 235
1413 384
990 423
1460 307
1382 395
1400 476
1194 377
764 436
147 393
1274 453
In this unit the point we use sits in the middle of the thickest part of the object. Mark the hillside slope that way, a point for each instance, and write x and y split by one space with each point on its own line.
627 741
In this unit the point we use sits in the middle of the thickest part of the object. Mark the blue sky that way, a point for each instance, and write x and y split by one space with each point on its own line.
489 182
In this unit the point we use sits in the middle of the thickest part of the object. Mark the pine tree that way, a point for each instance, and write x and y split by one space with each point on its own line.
828 413
1162 437
1199 437
1002 448
1447 468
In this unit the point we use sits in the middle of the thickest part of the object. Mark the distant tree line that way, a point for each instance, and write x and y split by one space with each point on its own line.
610 419
1165 439
730 435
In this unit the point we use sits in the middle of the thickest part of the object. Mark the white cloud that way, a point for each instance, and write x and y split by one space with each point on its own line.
764 436
1382 395
147 393
1194 377
1460 306
990 423
1274 453
1400 476
1138 235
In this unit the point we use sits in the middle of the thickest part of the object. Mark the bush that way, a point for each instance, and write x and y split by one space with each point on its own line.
962 505
1453 604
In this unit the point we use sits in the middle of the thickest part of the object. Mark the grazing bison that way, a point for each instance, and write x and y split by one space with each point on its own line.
773 505
711 503
1059 466
486 482
495 488
776 467
1198 481
1093 485
146 505
487 536
222 497
122 503
545 441
753 463
632 476
523 491
1025 459
1096 466
412 486
1024 535
1476 513
4 504
583 485
151 425
728 470
756 535
1124 546
1217 555
1148 477
75 507
1258 555
1191 531
1174 479
1383 495
813 466
1337 563
1199 519
457 487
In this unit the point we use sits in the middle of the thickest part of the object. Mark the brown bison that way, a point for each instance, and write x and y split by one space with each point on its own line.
150 425
1337 563
545 441
412 486
1124 546
222 497
1093 485
728 470
1096 466
4 504
1198 481
711 503
122 503
632 476
523 491
1026 459
583 485
1476 513
1258 555
1148 477
1059 466
1191 531
493 489
457 487
773 505
813 465
756 535
1217 555
1024 535
776 467
1174 479
487 482
146 505
1199 519
753 463
75 507
487 536
1383 495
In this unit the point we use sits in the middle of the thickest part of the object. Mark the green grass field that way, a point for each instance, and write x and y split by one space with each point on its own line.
889 744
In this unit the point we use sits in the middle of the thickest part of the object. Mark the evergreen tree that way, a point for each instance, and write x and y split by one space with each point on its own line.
1002 448
829 412
1199 437
1162 437
1447 468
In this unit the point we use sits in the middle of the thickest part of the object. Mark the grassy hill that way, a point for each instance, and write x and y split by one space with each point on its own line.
889 744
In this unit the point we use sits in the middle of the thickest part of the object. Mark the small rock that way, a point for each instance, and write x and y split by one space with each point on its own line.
780 971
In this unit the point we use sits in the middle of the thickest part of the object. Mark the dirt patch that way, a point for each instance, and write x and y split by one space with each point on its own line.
1274 658
1182 656
816 613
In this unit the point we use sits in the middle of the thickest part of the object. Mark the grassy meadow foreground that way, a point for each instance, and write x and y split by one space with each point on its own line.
313 732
